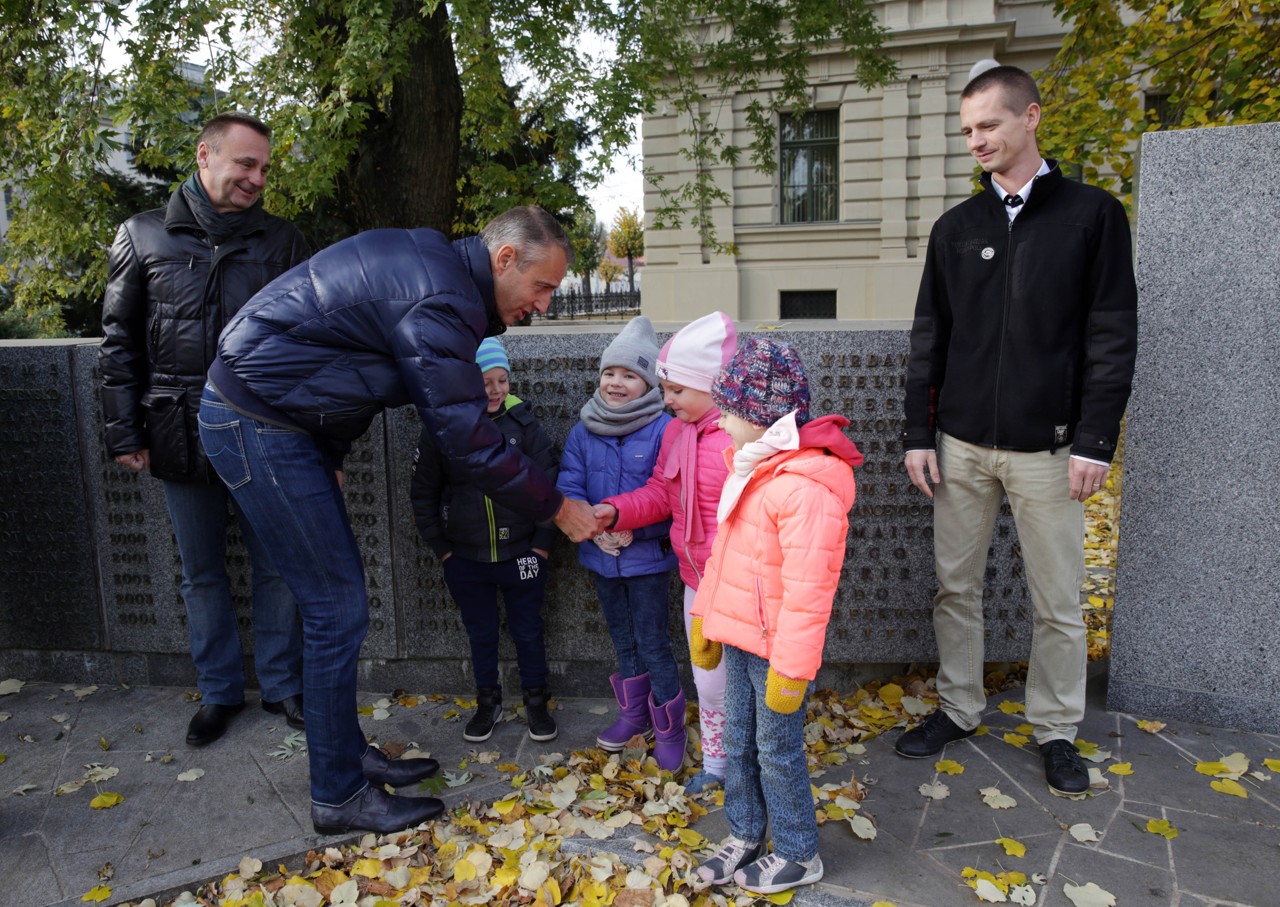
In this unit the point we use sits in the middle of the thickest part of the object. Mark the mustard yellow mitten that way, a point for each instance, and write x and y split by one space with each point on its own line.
703 652
782 694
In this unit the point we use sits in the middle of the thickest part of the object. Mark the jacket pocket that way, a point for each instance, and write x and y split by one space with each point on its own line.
167 434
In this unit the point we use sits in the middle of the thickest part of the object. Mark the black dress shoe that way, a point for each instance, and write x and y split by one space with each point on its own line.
396 772
210 722
291 708
375 810
930 736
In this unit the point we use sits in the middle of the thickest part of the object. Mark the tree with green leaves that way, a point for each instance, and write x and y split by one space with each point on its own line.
626 240
587 236
386 112
1141 65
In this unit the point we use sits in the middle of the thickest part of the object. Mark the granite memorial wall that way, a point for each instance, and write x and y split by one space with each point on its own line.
89 575
1197 611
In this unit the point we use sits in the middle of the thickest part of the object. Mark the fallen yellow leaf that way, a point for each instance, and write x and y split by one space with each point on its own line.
1273 764
1016 739
1011 708
1211 768
1227 786
368 867
96 894
106 800
1121 768
1151 727
948 767
1162 827
1012 848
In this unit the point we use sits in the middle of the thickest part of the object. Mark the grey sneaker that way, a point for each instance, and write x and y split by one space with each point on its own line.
773 873
733 854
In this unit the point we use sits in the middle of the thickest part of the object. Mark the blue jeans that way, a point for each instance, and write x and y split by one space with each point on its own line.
474 586
285 487
199 516
766 778
635 610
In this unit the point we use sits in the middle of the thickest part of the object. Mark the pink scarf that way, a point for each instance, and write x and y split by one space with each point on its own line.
683 461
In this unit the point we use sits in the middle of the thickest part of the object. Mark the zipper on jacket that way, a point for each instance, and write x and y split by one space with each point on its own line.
1004 329
760 611
493 530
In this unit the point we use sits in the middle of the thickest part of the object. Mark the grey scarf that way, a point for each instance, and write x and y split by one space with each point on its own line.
615 421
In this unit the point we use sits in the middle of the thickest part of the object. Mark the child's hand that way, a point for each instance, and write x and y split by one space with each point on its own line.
782 694
703 652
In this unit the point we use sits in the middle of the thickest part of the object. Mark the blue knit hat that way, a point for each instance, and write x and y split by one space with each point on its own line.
492 355
763 382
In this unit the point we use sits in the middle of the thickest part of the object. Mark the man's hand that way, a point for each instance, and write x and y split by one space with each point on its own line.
577 520
1085 479
136 461
922 467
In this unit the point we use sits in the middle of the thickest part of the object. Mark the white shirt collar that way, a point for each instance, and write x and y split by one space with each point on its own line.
1025 191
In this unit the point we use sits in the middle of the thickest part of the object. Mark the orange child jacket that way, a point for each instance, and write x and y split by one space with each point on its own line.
776 561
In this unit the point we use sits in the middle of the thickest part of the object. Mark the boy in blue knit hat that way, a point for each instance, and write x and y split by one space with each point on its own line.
485 548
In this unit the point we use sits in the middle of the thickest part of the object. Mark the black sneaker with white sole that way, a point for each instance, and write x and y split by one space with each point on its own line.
1064 769
930 736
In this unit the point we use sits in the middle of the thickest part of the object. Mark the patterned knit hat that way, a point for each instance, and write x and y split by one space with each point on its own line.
763 382
635 348
492 355
695 355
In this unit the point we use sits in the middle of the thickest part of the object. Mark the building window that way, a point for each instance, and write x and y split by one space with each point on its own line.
809 166
796 304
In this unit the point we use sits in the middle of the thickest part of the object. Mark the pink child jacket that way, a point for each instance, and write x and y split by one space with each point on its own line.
690 465
776 561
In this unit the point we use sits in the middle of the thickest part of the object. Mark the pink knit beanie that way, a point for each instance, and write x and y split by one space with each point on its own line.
698 351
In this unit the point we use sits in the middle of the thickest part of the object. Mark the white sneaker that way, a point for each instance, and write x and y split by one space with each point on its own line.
733 854
773 873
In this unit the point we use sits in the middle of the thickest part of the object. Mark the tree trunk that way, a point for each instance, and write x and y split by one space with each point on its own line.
631 272
405 171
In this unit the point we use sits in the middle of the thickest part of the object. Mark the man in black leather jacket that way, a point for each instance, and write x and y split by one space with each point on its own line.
177 275
1022 355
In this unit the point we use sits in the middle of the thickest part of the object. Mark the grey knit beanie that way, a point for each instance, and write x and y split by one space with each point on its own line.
635 348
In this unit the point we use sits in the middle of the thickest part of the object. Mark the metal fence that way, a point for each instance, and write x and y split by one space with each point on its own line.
574 305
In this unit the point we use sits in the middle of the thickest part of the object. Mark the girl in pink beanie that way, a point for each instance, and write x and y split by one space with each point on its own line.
685 487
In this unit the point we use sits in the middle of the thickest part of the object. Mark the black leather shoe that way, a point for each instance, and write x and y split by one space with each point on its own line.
375 810
210 722
291 708
396 772
930 736
1064 769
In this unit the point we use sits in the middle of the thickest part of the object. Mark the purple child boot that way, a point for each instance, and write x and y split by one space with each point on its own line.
633 713
668 731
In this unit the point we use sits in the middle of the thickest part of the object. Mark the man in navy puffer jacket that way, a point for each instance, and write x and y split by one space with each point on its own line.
383 319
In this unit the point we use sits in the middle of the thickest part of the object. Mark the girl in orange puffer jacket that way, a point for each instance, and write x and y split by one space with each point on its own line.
765 602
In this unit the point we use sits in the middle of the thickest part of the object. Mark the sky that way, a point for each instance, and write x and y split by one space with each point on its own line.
623 188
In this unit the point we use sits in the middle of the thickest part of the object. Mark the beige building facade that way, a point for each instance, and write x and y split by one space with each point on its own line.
840 230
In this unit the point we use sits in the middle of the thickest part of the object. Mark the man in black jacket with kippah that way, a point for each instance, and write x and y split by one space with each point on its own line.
177 275
1022 355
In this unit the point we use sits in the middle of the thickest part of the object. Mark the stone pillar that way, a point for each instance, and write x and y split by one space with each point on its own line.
1197 611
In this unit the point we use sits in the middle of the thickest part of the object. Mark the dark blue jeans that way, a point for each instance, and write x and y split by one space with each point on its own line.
284 486
199 514
636 610
474 586
766 777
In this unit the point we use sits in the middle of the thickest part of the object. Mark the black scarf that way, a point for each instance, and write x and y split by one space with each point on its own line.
220 227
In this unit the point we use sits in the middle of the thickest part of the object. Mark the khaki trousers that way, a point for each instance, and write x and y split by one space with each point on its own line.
1051 532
